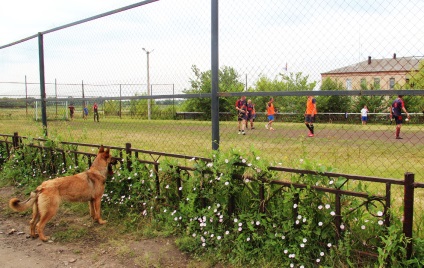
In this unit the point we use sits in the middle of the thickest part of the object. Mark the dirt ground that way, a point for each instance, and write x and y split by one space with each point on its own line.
18 250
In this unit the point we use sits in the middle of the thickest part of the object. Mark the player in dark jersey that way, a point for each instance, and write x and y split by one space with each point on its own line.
396 113
251 114
241 107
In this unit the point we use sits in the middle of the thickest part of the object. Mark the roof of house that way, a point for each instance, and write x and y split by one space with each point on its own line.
402 64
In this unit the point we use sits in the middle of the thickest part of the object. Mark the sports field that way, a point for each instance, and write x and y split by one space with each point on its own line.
354 149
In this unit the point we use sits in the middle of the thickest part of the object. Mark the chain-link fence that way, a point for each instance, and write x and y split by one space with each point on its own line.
150 72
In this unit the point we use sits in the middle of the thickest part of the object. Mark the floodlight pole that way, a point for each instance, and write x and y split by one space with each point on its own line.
149 108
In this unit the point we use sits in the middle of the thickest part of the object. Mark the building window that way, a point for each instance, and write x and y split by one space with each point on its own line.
376 83
363 83
392 83
349 84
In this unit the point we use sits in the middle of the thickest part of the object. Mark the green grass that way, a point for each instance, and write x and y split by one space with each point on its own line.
354 149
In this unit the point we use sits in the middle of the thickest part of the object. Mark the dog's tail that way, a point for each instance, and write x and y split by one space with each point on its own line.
18 205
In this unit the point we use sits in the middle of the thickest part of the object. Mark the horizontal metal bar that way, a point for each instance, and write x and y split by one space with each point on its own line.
82 21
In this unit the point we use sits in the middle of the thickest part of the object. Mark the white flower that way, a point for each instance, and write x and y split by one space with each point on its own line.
305 240
240 229
321 254
283 237
226 161
258 223
302 245
240 224
332 213
203 244
226 183
331 182
194 235
363 227
167 186
320 207
297 222
295 206
380 222
327 206
379 213
329 245
320 223
318 260
243 161
235 220
342 226
248 239
218 237
285 251
212 235
227 232
209 164
181 188
257 158
299 217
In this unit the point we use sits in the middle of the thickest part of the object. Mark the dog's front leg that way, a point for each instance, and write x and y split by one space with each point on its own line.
97 216
91 207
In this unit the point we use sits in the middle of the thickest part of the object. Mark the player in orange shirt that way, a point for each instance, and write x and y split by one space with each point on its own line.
311 111
270 112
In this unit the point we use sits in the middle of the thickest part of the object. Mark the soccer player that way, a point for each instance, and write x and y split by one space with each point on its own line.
396 112
270 112
251 113
241 107
364 115
311 111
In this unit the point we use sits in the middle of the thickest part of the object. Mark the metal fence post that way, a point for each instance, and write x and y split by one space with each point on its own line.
42 82
408 211
215 78
15 140
128 151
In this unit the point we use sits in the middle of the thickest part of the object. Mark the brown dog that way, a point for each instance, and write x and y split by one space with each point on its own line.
86 186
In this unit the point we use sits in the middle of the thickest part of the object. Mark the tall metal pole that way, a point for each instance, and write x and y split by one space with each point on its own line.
26 96
42 82
215 79
55 93
149 112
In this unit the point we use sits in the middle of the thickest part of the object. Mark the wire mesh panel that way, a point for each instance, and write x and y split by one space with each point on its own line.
144 76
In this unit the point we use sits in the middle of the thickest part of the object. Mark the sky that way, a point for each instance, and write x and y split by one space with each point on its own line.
256 38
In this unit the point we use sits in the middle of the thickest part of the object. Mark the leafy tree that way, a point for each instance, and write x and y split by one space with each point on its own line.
416 81
202 83
291 82
334 103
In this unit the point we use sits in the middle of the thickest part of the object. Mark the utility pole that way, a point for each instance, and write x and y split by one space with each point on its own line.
149 108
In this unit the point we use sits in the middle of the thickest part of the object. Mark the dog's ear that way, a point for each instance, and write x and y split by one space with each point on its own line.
101 149
106 152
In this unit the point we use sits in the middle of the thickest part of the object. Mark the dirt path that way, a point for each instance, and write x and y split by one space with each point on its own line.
17 250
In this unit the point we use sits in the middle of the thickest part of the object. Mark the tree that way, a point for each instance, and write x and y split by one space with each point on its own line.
202 83
292 82
334 103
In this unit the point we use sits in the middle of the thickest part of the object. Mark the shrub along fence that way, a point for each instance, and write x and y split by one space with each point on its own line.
291 200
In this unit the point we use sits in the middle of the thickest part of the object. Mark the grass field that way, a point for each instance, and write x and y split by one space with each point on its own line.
354 149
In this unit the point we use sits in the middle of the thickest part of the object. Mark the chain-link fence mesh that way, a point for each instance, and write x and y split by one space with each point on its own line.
138 65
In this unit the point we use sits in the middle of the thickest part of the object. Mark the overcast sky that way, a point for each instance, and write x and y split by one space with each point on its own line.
256 38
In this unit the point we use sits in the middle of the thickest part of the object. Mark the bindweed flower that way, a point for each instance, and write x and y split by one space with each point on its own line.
329 245
226 161
295 206
321 254
285 251
327 206
380 222
379 213
363 227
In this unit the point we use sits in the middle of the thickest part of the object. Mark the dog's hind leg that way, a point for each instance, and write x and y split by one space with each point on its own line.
47 208
34 220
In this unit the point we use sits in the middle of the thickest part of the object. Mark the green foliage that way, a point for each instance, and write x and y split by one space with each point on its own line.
237 210
202 83
334 103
